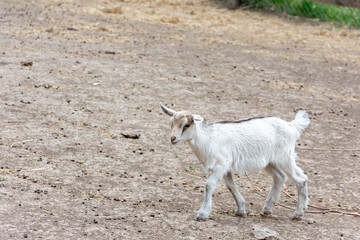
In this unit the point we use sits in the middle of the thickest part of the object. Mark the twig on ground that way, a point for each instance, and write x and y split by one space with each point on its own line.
289 196
192 94
130 135
24 141
46 210
327 149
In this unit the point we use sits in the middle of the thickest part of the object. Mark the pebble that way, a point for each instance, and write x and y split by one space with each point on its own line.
110 52
72 28
260 232
311 221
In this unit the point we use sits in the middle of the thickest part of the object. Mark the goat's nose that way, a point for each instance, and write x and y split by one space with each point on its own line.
173 138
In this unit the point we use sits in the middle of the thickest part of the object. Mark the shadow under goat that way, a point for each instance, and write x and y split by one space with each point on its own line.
244 147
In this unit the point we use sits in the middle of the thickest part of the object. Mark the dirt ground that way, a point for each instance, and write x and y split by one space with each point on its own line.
76 75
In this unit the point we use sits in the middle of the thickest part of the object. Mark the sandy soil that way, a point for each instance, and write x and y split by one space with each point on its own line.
76 75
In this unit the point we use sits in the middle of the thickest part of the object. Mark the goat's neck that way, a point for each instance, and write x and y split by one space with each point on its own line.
199 142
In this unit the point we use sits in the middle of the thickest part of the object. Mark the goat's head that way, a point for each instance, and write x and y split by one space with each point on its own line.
183 124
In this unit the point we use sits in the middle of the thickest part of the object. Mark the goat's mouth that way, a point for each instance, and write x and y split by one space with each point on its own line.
175 142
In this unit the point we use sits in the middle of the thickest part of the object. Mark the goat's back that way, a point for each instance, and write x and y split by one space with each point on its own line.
249 146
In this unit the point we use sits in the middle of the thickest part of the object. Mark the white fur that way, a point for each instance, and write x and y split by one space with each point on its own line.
244 148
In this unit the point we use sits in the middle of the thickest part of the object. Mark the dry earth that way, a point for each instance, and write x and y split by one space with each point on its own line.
75 75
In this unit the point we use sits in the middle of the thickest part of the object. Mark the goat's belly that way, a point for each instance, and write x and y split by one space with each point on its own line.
249 166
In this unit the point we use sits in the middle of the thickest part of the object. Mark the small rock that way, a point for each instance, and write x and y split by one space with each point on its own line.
311 221
72 28
110 52
260 232
130 135
26 63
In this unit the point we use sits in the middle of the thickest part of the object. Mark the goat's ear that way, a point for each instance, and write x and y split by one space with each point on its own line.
166 110
198 118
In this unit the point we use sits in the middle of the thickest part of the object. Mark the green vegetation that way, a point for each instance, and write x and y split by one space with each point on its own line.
185 234
341 16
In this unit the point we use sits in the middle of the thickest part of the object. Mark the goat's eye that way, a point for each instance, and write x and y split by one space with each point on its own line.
186 126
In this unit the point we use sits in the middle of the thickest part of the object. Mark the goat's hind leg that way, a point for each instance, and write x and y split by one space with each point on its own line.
279 178
300 179
301 183
240 201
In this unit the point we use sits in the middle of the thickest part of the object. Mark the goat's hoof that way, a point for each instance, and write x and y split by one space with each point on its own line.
240 214
266 213
298 216
201 219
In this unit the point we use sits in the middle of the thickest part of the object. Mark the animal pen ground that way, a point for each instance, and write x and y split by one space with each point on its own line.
81 80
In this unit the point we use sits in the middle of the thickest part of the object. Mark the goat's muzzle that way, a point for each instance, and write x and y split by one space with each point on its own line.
173 139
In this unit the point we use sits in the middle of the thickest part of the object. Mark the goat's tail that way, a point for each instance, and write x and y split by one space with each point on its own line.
301 121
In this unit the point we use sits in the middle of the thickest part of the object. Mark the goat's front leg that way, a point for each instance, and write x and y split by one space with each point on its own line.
240 201
204 211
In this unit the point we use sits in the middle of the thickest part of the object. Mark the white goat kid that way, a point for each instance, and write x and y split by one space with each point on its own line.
244 147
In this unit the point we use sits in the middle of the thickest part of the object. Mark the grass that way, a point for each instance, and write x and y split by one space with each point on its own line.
341 16
185 234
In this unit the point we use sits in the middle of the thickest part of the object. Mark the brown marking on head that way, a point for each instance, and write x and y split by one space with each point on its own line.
179 118
190 119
